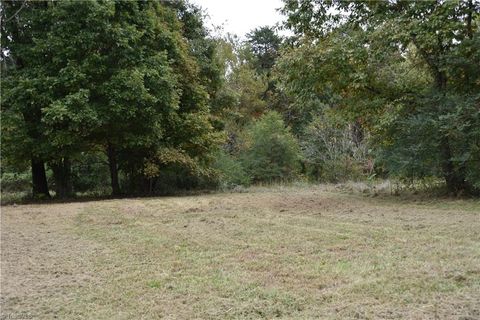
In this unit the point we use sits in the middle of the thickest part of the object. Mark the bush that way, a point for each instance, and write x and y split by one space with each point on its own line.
15 182
231 171
271 152
330 152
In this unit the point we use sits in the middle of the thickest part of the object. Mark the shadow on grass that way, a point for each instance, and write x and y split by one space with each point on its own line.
25 198
383 190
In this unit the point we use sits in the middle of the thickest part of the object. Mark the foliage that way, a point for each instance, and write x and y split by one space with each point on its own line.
400 69
231 171
90 173
453 116
265 45
128 78
141 95
331 153
15 181
240 99
271 152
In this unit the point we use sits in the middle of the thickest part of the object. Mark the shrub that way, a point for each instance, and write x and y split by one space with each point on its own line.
14 182
271 152
231 171
330 152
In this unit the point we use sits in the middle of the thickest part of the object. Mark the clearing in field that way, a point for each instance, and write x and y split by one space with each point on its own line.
267 253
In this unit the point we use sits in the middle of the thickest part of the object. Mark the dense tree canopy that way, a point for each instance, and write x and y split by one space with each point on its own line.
403 70
265 45
113 76
139 97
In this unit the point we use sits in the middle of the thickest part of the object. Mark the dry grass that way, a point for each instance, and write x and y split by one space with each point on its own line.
293 253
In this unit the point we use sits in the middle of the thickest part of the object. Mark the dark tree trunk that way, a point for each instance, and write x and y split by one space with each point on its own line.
131 181
113 166
151 185
39 179
62 174
357 133
469 19
441 81
454 177
303 167
146 186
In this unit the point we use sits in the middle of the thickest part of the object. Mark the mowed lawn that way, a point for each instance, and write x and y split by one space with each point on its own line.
292 253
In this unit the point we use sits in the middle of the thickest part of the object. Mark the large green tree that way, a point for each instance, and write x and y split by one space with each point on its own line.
265 44
23 89
405 70
117 76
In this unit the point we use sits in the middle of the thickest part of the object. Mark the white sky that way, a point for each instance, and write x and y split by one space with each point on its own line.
241 16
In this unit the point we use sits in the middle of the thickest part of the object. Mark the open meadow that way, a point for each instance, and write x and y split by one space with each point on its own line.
291 253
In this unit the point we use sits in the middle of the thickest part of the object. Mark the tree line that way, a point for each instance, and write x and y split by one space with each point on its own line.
140 97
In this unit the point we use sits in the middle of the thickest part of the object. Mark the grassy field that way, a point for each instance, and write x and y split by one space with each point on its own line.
292 253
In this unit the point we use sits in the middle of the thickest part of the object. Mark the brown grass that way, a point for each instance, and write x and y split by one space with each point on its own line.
293 253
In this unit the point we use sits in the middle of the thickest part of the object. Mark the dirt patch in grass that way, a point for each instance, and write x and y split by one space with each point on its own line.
293 253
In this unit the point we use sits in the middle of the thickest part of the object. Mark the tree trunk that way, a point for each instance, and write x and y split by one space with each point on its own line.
62 174
112 164
131 181
454 177
357 132
469 19
39 179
